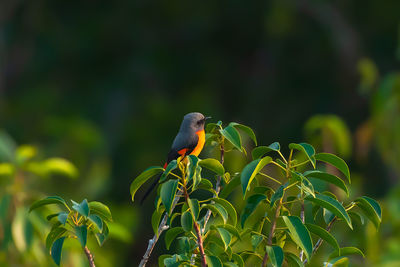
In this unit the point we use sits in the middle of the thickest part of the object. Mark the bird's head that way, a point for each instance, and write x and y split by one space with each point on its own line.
193 121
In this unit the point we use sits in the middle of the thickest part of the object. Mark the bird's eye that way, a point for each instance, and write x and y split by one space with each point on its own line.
200 122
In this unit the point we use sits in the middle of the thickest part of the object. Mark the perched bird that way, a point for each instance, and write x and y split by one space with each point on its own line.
189 141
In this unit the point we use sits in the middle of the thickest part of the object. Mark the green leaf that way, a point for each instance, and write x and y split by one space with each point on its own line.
187 221
170 167
194 207
96 220
245 129
62 217
6 169
227 189
225 236
167 194
229 208
192 168
256 240
82 208
332 205
232 135
335 161
7 147
155 219
337 262
172 234
307 149
101 237
346 251
251 205
293 260
55 233
213 165
356 216
217 209
250 171
81 234
100 209
371 209
229 228
143 177
324 234
327 177
47 201
213 261
299 234
277 195
238 259
260 151
56 249
275 254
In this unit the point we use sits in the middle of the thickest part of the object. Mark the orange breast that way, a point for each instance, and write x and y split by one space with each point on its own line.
200 144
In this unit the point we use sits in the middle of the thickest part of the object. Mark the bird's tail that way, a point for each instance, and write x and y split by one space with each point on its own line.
152 186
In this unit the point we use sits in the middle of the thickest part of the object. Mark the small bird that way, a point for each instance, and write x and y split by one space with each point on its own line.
189 141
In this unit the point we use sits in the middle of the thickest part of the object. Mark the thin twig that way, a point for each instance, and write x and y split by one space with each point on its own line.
319 242
302 220
89 256
161 228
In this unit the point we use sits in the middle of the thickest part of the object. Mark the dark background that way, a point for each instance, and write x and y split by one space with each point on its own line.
106 84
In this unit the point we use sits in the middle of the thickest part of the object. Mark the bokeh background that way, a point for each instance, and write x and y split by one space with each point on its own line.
106 84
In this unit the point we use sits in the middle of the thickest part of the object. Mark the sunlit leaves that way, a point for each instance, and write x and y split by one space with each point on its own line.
371 209
307 149
277 195
260 151
213 165
47 201
245 129
229 209
167 194
170 167
100 209
232 135
299 234
275 254
187 221
142 178
226 236
346 251
250 171
335 161
293 260
327 177
324 234
332 205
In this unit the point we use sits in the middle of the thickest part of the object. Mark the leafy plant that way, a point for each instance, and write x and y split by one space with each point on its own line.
78 222
286 210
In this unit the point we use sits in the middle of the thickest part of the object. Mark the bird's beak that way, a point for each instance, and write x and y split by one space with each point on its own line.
206 118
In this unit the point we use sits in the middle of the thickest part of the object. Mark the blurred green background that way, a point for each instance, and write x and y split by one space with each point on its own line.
106 84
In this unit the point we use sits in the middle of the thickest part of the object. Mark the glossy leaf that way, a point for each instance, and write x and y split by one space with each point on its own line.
229 208
335 161
332 205
324 234
256 240
213 165
299 234
54 234
251 204
346 251
82 208
170 167
56 249
275 254
101 237
250 171
293 260
192 167
217 209
100 209
155 219
62 217
187 221
194 207
232 135
245 129
277 195
238 259
226 237
81 234
307 149
172 234
213 261
167 194
337 262
227 189
371 209
234 232
327 177
260 151
47 201
142 178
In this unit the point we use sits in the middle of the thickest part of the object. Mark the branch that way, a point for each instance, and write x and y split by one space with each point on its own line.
161 228
271 232
319 242
302 220
89 256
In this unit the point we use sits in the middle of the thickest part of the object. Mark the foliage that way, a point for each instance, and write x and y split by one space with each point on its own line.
77 221
285 211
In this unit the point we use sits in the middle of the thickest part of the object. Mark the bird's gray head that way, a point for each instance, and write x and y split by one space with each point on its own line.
193 121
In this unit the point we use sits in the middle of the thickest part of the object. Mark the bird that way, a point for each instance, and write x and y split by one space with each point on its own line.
189 141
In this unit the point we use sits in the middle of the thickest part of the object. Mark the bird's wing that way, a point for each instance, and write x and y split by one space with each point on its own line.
182 141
